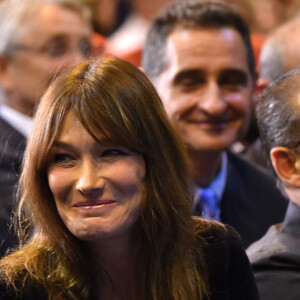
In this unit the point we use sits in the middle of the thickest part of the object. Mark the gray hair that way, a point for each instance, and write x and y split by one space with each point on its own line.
13 14
278 112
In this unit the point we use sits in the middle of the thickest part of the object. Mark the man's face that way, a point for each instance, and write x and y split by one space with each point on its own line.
207 87
54 37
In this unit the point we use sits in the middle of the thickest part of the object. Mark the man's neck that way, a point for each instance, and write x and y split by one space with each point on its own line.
204 166
293 194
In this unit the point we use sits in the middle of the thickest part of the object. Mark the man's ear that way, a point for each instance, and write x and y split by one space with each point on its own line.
286 164
260 85
4 62
6 81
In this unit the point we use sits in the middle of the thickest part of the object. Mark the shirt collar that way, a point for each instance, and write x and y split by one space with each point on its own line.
17 120
218 184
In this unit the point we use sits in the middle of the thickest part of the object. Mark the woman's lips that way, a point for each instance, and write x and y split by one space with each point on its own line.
94 204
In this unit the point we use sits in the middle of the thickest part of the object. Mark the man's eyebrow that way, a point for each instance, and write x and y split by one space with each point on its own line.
188 73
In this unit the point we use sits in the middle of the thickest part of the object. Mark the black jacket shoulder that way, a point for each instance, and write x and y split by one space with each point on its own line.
251 201
230 275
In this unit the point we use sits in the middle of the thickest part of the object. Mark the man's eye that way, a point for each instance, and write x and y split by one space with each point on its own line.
188 82
234 79
85 47
56 49
191 84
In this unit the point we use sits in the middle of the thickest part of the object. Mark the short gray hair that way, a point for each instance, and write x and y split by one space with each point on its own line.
278 113
13 13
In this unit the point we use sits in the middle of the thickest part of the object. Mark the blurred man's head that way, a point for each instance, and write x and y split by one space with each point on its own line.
200 59
278 117
281 51
38 38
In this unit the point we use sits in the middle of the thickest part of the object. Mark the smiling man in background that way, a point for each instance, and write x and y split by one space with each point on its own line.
38 38
199 57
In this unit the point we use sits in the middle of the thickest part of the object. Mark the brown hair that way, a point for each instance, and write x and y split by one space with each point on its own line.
113 97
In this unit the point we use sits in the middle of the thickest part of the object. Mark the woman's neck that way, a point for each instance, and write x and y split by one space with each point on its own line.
117 260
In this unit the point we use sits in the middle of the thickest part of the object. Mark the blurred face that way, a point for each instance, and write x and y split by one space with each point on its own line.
53 38
97 187
207 87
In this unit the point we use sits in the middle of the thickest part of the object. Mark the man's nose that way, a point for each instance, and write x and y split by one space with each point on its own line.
213 102
75 56
89 179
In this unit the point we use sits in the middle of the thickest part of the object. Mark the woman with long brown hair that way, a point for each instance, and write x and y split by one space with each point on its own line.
105 208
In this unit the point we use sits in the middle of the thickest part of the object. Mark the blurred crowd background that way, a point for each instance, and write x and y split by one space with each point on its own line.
125 22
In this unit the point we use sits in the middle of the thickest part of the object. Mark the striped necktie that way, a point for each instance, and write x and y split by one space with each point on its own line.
208 204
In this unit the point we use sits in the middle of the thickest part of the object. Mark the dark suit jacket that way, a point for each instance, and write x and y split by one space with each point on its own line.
251 203
12 145
275 259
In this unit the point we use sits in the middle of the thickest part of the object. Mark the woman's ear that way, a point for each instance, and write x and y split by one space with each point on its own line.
286 164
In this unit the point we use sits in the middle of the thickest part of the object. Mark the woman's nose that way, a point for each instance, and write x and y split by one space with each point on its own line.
89 179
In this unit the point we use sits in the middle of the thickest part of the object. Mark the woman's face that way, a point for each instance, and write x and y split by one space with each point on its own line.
97 187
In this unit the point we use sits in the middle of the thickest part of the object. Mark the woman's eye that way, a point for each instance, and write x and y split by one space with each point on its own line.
63 159
114 152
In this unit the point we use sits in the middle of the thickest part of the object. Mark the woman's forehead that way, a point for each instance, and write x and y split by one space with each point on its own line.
72 126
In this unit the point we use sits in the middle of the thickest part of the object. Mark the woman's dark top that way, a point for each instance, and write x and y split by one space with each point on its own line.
230 276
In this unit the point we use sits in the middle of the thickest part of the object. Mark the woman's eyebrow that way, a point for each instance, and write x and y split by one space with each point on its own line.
60 144
107 142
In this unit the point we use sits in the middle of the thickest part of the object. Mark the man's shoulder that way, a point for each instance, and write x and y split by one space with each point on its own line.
7 130
241 165
251 201
275 261
11 141
4 126
275 249
262 250
251 175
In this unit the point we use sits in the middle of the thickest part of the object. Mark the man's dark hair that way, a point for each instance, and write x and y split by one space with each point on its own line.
190 15
278 112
